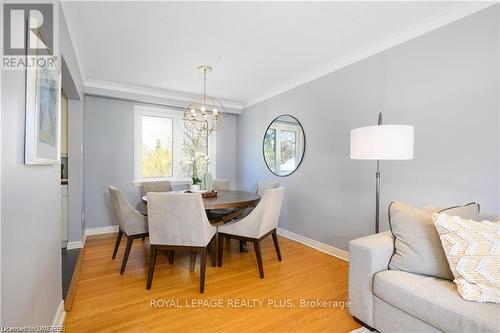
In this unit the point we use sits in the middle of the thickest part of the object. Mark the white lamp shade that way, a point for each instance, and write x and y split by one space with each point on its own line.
382 142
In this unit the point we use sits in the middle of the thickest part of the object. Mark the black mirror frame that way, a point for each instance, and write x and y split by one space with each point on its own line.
303 152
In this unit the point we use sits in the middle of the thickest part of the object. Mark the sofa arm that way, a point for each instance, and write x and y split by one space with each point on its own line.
367 256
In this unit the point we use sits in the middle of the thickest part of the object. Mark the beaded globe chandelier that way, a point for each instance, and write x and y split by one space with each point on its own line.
206 113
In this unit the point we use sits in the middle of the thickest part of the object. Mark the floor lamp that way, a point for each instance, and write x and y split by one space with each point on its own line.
382 142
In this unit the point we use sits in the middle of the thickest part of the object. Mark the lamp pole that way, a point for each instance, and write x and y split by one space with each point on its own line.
381 142
377 176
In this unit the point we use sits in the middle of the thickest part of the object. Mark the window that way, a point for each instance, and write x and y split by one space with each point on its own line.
288 144
157 147
164 149
283 146
270 148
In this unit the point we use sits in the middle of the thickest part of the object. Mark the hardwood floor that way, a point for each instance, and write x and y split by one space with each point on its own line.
106 301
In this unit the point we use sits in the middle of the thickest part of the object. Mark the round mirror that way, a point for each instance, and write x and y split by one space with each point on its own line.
284 145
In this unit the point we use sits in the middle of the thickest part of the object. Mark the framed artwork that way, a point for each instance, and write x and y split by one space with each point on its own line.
43 111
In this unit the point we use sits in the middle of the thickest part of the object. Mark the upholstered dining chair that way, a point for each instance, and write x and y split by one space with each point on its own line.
262 186
131 223
157 186
221 184
177 221
259 224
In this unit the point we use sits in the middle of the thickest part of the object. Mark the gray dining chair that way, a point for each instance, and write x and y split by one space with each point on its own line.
131 223
157 186
260 189
259 224
262 186
177 221
221 184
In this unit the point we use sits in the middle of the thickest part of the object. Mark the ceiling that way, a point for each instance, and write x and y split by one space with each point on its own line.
257 49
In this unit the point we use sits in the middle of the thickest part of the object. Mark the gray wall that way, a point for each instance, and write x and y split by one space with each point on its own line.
445 83
109 155
31 211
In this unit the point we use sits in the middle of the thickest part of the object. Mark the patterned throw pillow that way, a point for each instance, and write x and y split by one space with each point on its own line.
473 252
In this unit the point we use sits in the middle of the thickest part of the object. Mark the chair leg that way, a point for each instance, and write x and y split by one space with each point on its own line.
243 246
192 262
258 254
276 244
117 243
220 249
170 255
143 238
152 262
213 250
127 252
203 265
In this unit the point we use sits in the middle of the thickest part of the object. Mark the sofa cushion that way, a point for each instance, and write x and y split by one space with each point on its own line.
469 211
417 248
436 302
417 245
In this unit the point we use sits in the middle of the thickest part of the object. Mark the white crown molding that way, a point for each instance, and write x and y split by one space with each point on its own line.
325 248
149 95
405 35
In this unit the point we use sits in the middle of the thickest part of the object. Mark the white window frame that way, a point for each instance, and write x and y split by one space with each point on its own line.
177 117
279 127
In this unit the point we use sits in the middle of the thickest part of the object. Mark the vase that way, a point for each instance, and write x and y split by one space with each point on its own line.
207 180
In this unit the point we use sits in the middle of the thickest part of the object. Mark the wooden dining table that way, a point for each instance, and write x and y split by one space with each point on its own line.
234 201
226 200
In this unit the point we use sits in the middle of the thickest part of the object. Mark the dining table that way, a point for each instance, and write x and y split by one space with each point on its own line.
234 202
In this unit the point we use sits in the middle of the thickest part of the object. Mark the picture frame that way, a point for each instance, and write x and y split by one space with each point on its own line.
43 99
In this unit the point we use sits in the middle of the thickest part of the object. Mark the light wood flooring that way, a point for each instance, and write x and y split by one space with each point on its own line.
235 298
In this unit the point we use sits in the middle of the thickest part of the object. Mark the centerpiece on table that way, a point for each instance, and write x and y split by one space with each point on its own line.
199 164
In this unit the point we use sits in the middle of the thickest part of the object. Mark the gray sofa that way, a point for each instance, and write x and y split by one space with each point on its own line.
397 301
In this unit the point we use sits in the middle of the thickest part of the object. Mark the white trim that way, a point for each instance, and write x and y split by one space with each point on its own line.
74 245
144 94
90 232
60 315
181 99
279 127
325 248
403 36
177 117
102 230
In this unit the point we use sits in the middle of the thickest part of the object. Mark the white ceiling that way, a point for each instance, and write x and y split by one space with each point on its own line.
258 48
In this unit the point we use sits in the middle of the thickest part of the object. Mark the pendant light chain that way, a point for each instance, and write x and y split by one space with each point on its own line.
204 81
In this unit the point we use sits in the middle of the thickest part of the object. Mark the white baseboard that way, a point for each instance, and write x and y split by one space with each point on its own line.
102 230
90 232
325 248
74 245
60 315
